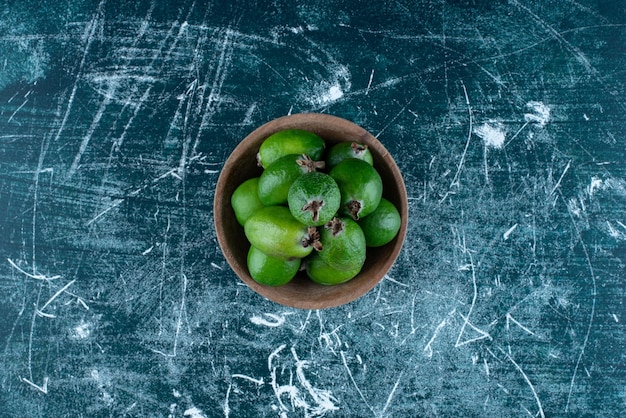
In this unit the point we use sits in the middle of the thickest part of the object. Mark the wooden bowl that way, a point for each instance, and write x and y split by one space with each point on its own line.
302 292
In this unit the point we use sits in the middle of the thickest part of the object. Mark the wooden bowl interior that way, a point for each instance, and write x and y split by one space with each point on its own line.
302 292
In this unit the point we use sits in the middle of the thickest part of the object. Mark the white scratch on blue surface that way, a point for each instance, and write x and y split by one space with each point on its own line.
525 376
509 232
428 349
272 321
32 276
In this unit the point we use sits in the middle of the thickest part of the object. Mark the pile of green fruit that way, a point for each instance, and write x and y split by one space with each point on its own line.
298 217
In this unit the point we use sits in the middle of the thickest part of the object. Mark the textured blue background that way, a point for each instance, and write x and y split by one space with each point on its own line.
507 119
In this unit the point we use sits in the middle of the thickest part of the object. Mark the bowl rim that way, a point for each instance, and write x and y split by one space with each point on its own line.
320 296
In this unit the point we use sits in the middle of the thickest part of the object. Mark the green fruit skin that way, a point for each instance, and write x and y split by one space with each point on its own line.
314 186
345 251
271 271
290 141
339 152
275 232
321 273
245 200
357 180
276 180
382 225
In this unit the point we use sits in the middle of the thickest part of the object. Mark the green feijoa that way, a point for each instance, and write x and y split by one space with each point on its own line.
275 232
320 272
382 225
314 198
339 152
290 141
360 185
343 244
276 179
269 270
245 200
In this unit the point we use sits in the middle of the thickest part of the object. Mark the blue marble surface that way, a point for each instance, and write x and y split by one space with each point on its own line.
507 119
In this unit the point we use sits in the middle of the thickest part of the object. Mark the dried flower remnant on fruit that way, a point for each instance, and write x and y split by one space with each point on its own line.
335 225
309 165
314 207
312 239
354 207
358 149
